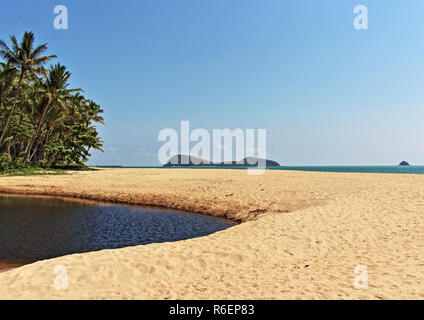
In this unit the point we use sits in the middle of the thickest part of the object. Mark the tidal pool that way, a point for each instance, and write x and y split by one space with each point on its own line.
38 228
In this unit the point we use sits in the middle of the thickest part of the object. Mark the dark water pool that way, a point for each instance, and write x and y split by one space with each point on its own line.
41 228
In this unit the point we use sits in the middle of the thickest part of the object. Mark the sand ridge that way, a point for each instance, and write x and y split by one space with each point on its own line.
302 237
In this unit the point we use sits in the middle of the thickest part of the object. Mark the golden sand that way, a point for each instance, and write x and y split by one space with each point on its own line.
302 237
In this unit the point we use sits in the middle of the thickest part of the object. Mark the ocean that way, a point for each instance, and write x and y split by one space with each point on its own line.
357 169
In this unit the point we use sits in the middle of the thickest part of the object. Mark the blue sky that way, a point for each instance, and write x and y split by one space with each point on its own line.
326 93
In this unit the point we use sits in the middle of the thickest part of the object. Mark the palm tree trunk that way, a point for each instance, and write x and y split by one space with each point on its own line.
46 142
37 131
1 96
21 77
17 131
35 149
52 158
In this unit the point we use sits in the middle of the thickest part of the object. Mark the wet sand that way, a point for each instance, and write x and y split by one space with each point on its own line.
8 265
302 237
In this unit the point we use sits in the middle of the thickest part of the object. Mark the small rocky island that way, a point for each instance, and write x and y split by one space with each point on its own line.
404 164
191 161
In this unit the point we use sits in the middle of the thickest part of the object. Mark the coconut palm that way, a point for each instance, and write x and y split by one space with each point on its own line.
55 93
46 123
25 58
7 74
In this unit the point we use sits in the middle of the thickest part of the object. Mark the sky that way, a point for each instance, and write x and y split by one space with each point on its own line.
327 93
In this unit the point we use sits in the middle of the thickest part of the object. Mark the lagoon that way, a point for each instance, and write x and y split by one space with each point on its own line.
39 228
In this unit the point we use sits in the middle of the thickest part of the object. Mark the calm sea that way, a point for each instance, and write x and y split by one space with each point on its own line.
359 169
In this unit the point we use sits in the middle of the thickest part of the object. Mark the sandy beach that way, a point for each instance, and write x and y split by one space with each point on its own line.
301 237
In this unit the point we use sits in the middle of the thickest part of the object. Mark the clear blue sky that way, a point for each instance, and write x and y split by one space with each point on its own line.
327 93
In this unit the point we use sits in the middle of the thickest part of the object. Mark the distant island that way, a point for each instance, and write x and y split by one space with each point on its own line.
192 161
404 163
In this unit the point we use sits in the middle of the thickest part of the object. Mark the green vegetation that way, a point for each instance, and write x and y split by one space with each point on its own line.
35 170
43 123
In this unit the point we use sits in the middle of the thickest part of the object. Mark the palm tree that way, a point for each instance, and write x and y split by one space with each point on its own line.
93 112
55 93
41 120
7 73
24 57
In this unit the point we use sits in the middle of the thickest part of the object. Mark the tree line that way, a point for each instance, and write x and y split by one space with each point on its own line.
43 122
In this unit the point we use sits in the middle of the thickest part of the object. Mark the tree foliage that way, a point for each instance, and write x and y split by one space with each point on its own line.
42 121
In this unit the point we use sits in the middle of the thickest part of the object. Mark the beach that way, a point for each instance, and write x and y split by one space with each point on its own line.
302 236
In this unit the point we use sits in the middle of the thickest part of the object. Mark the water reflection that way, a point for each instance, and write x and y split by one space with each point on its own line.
40 228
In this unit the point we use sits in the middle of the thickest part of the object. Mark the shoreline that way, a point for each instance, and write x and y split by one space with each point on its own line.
63 196
364 169
302 236
99 200
157 199
10 265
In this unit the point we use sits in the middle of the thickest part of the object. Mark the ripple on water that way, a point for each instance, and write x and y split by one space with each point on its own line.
41 228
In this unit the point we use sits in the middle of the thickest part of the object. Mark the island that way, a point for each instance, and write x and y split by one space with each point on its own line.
404 164
181 160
